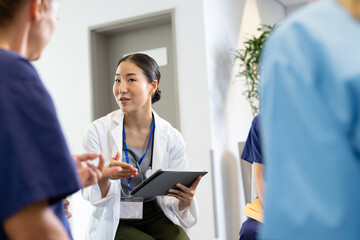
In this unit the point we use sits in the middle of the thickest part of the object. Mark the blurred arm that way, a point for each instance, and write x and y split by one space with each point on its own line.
36 221
259 181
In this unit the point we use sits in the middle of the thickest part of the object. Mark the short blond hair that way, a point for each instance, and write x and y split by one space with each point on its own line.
353 6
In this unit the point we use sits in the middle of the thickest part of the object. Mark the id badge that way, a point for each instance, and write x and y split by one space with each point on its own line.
131 208
148 173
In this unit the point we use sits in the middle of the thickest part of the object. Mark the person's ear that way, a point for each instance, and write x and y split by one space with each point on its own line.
154 84
36 9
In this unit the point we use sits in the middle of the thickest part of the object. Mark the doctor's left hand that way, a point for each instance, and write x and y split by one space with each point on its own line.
185 194
89 174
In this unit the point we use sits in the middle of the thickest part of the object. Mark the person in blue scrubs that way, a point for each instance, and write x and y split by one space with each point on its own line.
310 123
252 153
36 168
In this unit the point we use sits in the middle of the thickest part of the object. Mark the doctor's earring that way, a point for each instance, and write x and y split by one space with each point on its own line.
153 92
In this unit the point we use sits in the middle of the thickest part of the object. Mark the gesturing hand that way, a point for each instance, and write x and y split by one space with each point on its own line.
89 174
66 208
128 171
185 194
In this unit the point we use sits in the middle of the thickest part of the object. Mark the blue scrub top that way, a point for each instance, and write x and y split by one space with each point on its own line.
252 149
35 163
310 122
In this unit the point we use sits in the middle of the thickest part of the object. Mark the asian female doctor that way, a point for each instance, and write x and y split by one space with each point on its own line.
135 129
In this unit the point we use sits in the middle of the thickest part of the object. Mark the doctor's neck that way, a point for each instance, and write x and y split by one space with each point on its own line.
138 119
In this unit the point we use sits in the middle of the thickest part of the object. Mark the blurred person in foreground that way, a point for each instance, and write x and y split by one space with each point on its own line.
36 168
311 123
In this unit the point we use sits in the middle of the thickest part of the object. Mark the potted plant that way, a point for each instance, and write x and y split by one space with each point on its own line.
249 57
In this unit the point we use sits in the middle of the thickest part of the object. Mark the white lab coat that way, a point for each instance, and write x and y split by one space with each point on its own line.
105 135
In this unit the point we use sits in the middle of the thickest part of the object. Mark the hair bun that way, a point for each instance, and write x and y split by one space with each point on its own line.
156 97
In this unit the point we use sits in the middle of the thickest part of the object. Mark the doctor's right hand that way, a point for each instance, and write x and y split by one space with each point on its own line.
128 171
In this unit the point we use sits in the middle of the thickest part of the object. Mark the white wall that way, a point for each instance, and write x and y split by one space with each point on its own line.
292 8
213 112
293 5
227 24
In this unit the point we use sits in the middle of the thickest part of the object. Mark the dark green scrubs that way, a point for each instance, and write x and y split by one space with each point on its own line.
154 225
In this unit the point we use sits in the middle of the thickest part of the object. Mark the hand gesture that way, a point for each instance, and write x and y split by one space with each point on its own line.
66 208
185 194
128 171
88 173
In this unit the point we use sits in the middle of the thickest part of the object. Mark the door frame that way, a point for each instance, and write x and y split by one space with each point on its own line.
98 34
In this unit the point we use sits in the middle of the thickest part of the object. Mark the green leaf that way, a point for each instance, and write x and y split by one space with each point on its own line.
249 58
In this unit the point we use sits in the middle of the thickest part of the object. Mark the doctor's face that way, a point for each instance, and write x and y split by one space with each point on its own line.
132 90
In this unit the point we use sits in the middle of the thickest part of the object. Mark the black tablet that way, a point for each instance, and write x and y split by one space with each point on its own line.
159 183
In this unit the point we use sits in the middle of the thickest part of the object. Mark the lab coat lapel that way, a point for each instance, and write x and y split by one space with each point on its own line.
116 133
159 143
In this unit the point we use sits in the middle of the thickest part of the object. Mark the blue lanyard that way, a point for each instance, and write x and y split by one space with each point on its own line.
143 156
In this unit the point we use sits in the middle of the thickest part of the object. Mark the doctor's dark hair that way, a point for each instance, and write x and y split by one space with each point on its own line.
149 67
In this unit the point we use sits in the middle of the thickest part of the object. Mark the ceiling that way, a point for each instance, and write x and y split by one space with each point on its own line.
292 2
